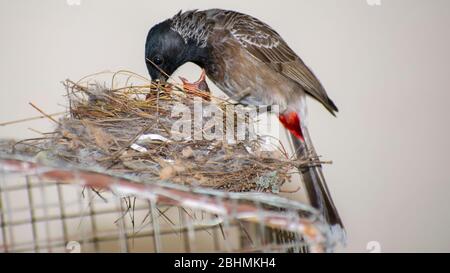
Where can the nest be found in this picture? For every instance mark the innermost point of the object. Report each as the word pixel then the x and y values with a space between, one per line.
pixel 127 131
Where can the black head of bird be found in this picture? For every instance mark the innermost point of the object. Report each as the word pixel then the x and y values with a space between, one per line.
pixel 166 50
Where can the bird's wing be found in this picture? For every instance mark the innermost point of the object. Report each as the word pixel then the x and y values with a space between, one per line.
pixel 265 44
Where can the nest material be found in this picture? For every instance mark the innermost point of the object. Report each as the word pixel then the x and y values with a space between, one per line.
pixel 103 129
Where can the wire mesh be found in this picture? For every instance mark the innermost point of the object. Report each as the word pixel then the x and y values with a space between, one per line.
pixel 48 209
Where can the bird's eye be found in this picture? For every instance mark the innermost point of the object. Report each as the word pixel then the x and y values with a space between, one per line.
pixel 158 60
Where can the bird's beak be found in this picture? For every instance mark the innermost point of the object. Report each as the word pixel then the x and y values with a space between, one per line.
pixel 159 77
pixel 155 72
pixel 162 80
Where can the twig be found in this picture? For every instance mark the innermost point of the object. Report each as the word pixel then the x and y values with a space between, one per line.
pixel 32 118
pixel 43 113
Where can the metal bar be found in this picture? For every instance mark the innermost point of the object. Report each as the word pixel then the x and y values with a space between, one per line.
pixel 62 212
pixel 26 187
pixel 92 217
pixel 123 236
pixel 6 204
pixel 2 221
pixel 182 219
pixel 215 235
pixel 68 216
pixel 46 214
pixel 32 216
pixel 113 233
pixel 156 231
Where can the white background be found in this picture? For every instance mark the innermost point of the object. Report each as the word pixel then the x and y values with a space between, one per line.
pixel 386 68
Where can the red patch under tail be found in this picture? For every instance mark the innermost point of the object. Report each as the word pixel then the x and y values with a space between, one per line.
pixel 291 121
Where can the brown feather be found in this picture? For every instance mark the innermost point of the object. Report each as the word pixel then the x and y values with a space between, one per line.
pixel 267 46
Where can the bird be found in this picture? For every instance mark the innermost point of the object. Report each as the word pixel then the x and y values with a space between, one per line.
pixel 198 88
pixel 240 52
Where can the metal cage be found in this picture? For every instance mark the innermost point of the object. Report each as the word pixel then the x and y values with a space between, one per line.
pixel 48 209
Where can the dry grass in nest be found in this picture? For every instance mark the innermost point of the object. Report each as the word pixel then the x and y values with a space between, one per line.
pixel 102 125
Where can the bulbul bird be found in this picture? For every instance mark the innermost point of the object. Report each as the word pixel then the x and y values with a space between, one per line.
pixel 239 52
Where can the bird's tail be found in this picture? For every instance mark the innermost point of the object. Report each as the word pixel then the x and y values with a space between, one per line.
pixel 313 178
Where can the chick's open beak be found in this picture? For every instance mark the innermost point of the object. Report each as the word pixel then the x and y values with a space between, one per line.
pixel 199 88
